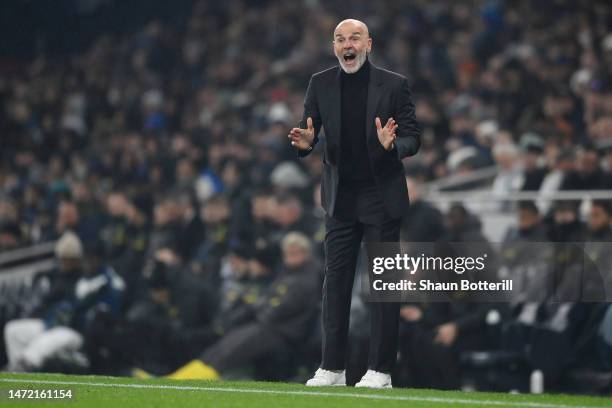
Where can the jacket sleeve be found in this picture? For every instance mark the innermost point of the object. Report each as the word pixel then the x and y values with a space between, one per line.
pixel 311 109
pixel 287 298
pixel 408 139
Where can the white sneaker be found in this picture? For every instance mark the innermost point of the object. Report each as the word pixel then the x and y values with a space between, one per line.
pixel 374 379
pixel 324 378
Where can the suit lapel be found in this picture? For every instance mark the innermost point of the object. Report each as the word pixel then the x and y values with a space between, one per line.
pixel 336 109
pixel 374 94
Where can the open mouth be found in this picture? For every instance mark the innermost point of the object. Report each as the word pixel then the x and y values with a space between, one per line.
pixel 349 56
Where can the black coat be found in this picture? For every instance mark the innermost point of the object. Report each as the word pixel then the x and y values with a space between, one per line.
pixel 388 96
pixel 290 304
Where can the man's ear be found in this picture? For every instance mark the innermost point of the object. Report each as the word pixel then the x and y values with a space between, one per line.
pixel 369 45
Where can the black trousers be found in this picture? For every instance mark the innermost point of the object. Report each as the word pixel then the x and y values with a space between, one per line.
pixel 242 345
pixel 359 215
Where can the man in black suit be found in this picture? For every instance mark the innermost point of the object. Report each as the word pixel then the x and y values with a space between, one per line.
pixel 364 190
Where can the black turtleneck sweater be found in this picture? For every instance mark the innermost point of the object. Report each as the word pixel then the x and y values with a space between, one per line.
pixel 354 161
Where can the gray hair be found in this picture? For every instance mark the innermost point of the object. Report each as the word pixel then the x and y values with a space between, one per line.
pixel 298 239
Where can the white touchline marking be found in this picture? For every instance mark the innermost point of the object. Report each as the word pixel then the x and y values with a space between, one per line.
pixel 307 393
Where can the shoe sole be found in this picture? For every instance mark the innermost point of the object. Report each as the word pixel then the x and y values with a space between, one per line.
pixel 327 385
pixel 374 388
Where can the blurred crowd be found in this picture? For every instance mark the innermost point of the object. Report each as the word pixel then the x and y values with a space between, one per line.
pixel 160 157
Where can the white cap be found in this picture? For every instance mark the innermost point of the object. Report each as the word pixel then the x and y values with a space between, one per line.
pixel 288 175
pixel 487 128
pixel 69 246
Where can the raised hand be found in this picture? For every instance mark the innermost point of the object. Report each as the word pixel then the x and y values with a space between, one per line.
pixel 386 135
pixel 302 138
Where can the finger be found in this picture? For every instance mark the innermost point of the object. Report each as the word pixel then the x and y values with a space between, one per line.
pixel 298 134
pixel 309 123
pixel 390 122
pixel 378 125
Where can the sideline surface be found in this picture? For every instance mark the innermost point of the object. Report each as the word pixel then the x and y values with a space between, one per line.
pixel 92 391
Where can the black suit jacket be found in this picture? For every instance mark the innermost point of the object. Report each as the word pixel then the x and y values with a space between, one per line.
pixel 388 96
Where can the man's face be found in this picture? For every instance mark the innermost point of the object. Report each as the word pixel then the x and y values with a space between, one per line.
pixel 530 160
pixel 260 206
pixel 294 256
pixel 564 216
pixel 527 219
pixel 67 216
pixel 589 162
pixel 214 213
pixel 67 265
pixel 287 214
pixel 598 219
pixel 116 204
pixel 352 43
pixel 455 219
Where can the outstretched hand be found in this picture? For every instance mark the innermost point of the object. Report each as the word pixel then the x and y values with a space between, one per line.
pixel 302 138
pixel 386 135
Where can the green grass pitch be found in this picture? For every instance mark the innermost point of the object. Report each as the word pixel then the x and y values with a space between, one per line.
pixel 115 392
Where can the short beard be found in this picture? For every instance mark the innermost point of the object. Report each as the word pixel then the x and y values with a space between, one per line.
pixel 361 59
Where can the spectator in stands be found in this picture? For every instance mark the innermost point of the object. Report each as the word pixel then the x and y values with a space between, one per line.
pixel 604 340
pixel 509 177
pixel 238 287
pixel 462 226
pixel 600 221
pixel 67 217
pixel 598 252
pixel 590 175
pixel 421 222
pixel 81 287
pixel 256 226
pixel 432 337
pixel 529 224
pixel 175 223
pixel 526 257
pixel 562 174
pixel 289 215
pixel 534 170
pixel 215 214
pixel 10 232
pixel 566 224
pixel 125 237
